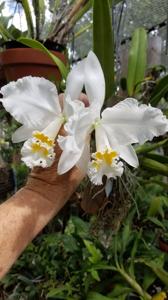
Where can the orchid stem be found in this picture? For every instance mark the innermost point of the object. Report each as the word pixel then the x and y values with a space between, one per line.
pixel 134 284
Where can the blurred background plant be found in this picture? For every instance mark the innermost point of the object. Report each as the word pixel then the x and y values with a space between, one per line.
pixel 116 246
pixel 41 20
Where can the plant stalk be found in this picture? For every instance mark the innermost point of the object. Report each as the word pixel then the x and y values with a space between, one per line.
pixel 134 284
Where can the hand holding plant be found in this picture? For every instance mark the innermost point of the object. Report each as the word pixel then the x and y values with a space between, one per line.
pixel 34 103
pixel 47 182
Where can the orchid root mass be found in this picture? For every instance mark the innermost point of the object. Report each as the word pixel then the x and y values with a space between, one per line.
pixel 34 102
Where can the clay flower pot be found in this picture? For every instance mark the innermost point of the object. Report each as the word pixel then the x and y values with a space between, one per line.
pixel 2 77
pixel 20 62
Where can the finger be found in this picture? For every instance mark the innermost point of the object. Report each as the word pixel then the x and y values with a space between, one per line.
pixel 82 97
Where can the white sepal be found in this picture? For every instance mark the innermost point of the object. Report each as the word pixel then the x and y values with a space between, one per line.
pixel 32 101
pixel 75 81
pixel 128 122
pixel 128 154
pixel 94 80
pixel 21 134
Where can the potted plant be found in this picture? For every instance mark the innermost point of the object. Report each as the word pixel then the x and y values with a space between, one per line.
pixel 18 60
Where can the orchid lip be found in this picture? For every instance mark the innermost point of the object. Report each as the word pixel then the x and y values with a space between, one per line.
pixel 38 150
pixel 106 163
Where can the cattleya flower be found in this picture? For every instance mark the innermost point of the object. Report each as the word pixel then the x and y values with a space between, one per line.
pixel 34 102
pixel 116 128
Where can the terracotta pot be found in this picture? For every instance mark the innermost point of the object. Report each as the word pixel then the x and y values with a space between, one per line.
pixel 2 77
pixel 20 62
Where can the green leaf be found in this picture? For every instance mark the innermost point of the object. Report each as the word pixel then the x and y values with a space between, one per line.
pixel 149 147
pixel 5 33
pixel 155 205
pixel 137 59
pixel 37 45
pixel 15 32
pixel 133 252
pixel 95 253
pixel 96 296
pixel 154 166
pixel 157 269
pixel 95 274
pixel 148 279
pixel 56 291
pixel 29 19
pixel 119 292
pixel 157 157
pixel 81 227
pixel 159 91
pixel 70 243
pixel 156 222
pixel 103 43
pixel 125 236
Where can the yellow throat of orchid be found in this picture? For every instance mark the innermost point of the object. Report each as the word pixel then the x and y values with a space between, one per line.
pixel 41 144
pixel 106 157
pixel 38 148
pixel 43 138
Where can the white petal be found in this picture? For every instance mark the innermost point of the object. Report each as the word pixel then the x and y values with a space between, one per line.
pixel 67 143
pixel 102 141
pixel 70 155
pixel 82 164
pixel 128 122
pixel 68 160
pixel 32 101
pixel 128 154
pixel 72 107
pixel 75 81
pixel 53 128
pixel 73 145
pixel 21 134
pixel 94 80
pixel 80 126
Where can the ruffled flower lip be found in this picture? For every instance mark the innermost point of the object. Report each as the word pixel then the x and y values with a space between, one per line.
pixel 38 151
pixel 104 163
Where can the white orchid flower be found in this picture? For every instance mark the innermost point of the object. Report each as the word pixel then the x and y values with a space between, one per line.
pixel 116 129
pixel 75 145
pixel 120 126
pixel 34 103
